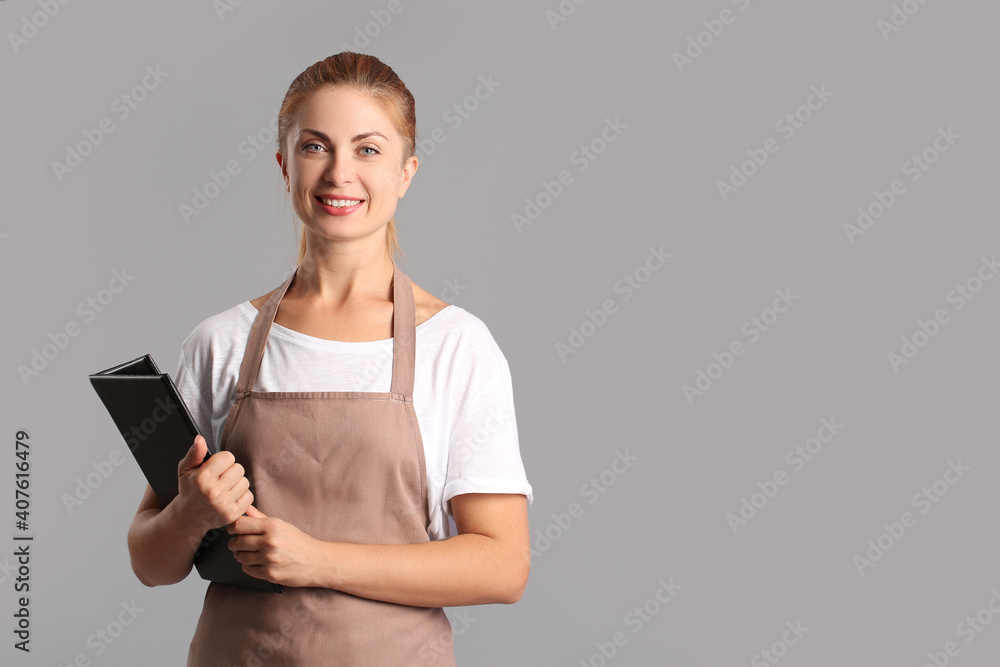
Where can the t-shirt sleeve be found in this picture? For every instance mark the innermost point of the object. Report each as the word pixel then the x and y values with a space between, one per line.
pixel 190 381
pixel 484 454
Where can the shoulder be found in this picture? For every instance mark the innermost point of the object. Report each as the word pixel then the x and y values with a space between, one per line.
pixel 426 305
pixel 222 322
pixel 463 340
pixel 217 333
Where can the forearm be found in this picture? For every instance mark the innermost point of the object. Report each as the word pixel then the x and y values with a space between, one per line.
pixel 161 546
pixel 462 570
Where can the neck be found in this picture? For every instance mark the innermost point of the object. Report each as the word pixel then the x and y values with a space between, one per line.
pixel 336 281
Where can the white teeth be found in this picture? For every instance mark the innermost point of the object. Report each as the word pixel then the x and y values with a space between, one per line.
pixel 341 203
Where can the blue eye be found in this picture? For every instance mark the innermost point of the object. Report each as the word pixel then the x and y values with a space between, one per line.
pixel 306 146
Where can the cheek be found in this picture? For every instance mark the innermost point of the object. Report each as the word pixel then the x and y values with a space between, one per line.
pixel 387 187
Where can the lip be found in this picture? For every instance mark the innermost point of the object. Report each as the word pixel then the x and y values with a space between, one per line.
pixel 343 210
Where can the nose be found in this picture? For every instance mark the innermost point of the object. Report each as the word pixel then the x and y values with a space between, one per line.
pixel 339 169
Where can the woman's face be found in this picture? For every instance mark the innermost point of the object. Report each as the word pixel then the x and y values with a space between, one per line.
pixel 345 147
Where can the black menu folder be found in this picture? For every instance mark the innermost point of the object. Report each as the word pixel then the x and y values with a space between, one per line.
pixel 152 418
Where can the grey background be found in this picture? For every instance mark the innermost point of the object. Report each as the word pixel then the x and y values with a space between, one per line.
pixel 655 185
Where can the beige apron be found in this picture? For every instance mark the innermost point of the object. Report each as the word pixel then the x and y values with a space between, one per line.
pixel 342 466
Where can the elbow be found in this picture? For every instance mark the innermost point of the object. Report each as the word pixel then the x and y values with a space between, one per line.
pixel 137 569
pixel 141 575
pixel 146 570
pixel 513 592
pixel 150 582
pixel 143 580
pixel 517 580
pixel 151 574
pixel 512 595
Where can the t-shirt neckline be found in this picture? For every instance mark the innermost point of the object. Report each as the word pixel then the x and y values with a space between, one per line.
pixel 358 345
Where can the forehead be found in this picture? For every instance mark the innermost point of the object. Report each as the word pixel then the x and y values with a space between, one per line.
pixel 345 111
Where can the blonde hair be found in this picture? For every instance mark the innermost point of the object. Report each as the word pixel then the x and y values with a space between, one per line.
pixel 369 75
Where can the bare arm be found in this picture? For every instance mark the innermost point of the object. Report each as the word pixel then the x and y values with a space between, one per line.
pixel 161 550
pixel 487 562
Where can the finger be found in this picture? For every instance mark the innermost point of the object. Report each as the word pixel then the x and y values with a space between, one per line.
pixel 246 525
pixel 255 571
pixel 256 513
pixel 223 481
pixel 230 471
pixel 249 557
pixel 242 544
pixel 194 456
pixel 243 502
pixel 218 463
pixel 252 558
pixel 239 484
pixel 233 504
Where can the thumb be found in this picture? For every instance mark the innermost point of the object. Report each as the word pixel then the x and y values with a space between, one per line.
pixel 255 513
pixel 194 457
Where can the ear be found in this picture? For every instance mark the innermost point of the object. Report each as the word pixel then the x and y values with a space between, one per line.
pixel 284 169
pixel 409 169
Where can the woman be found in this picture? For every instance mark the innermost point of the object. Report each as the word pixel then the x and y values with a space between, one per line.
pixel 353 490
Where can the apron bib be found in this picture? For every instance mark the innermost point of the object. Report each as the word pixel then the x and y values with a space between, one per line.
pixel 342 466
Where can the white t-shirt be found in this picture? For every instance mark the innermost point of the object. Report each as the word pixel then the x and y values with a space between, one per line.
pixel 462 393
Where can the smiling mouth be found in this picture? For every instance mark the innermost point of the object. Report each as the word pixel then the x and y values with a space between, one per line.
pixel 338 203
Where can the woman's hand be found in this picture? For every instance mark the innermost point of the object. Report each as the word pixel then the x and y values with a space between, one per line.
pixel 272 549
pixel 162 539
pixel 210 494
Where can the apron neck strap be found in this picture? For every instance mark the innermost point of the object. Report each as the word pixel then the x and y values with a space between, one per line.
pixel 404 335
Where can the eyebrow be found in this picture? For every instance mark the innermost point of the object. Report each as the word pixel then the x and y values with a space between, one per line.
pixel 363 135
